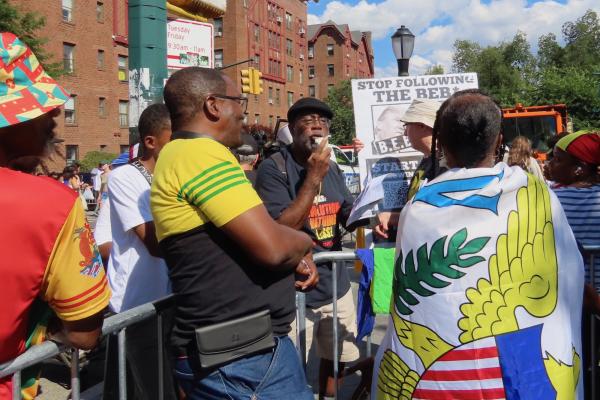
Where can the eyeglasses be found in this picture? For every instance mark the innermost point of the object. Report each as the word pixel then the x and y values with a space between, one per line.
pixel 243 101
pixel 313 120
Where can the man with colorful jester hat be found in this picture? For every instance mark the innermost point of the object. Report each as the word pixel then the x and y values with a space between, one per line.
pixel 50 265
pixel 487 290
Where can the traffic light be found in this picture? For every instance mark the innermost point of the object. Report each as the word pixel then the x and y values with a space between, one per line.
pixel 257 81
pixel 247 80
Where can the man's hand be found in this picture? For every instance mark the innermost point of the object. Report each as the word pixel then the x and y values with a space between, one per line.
pixel 387 220
pixel 307 275
pixel 318 162
pixel 358 145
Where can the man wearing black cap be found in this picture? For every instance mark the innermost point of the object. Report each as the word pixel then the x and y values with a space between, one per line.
pixel 303 189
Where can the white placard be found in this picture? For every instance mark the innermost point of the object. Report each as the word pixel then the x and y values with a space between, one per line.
pixel 379 105
pixel 189 43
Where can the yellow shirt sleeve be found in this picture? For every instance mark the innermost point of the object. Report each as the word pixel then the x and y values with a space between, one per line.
pixel 218 186
pixel 75 285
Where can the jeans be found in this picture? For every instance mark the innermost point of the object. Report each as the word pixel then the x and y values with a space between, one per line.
pixel 266 376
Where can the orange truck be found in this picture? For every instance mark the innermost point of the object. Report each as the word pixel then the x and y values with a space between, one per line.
pixel 538 123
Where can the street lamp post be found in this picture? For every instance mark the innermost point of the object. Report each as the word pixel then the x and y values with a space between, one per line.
pixel 403 42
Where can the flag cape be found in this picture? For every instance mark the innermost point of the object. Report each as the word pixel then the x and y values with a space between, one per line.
pixel 487 293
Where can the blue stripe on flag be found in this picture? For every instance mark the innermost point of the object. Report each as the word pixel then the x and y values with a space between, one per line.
pixel 523 371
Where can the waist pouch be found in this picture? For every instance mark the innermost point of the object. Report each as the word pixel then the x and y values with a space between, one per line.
pixel 224 342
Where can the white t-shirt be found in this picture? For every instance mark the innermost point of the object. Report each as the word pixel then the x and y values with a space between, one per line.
pixel 102 232
pixel 96 182
pixel 134 275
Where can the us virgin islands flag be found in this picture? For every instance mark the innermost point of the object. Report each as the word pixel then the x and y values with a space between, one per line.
pixel 487 293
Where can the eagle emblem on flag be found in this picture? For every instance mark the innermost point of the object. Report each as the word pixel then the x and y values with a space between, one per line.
pixel 489 306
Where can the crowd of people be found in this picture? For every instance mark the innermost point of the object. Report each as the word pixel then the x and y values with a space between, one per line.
pixel 192 216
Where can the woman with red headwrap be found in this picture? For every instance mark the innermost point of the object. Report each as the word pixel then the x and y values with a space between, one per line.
pixel 575 169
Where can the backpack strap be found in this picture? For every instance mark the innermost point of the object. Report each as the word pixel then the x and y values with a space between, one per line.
pixel 145 173
pixel 280 162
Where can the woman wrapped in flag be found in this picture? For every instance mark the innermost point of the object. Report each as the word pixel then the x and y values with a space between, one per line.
pixel 488 281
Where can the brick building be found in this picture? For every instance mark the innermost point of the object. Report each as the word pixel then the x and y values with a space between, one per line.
pixel 335 53
pixel 273 34
pixel 90 38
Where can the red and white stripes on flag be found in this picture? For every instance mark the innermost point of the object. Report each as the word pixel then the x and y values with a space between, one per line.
pixel 469 372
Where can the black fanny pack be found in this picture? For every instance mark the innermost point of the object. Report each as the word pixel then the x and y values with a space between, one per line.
pixel 222 343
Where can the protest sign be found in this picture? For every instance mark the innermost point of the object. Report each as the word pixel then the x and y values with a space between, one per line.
pixel 379 105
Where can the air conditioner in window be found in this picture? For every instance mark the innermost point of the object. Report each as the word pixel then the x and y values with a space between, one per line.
pixel 279 20
pixel 301 31
pixel 302 56
pixel 311 75
pixel 219 34
pixel 270 101
pixel 310 55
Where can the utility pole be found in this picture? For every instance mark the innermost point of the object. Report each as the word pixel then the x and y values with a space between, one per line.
pixel 147 57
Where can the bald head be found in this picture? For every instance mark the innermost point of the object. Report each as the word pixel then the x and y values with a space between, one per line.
pixel 186 91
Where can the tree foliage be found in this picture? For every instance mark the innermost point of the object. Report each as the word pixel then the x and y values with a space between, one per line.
pixel 339 99
pixel 436 69
pixel 26 25
pixel 556 74
pixel 93 158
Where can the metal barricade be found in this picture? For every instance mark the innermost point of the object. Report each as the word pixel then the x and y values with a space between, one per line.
pixel 117 323
pixel 592 253
pixel 334 257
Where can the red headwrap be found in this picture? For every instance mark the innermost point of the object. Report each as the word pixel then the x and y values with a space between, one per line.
pixel 583 146
pixel 586 148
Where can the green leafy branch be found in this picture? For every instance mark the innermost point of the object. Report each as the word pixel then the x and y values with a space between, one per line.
pixel 409 277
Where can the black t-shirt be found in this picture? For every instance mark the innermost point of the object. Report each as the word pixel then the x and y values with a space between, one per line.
pixel 323 225
pixel 216 282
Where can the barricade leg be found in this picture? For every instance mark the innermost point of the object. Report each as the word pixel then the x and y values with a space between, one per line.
pixel 301 327
pixel 335 331
pixel 75 383
pixel 16 382
pixel 593 357
pixel 122 366
pixel 161 355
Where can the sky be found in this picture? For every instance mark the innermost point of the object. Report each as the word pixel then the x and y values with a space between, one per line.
pixel 436 24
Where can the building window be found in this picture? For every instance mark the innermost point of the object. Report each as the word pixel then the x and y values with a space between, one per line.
pixel 311 71
pixel 289 47
pixel 218 26
pixel 277 97
pixel 288 21
pixel 256 33
pixel 103 147
pixel 311 91
pixel 271 121
pixel 301 77
pixel 99 11
pixel 123 114
pixel 311 51
pixel 330 70
pixel 218 58
pixel 257 118
pixel 100 59
pixel 290 73
pixel 67 10
pixel 270 95
pixel 102 107
pixel 123 70
pixel 68 58
pixel 330 87
pixel 330 49
pixel 70 117
pixel 290 98
pixel 256 61
pixel 72 151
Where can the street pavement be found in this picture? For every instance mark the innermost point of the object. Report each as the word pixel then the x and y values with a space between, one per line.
pixel 55 382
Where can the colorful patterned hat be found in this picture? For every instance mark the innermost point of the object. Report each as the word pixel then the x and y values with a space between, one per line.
pixel 26 91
